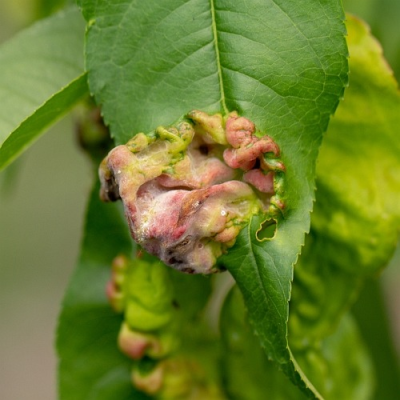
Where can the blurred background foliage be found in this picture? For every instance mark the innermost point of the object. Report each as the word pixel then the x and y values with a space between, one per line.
pixel 42 201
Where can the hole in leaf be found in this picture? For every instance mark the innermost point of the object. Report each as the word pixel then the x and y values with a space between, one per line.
pixel 267 230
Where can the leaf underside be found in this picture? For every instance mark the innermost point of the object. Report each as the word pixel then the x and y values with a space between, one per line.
pixel 281 65
pixel 42 76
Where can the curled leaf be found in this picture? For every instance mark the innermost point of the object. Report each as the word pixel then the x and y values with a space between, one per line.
pixel 189 189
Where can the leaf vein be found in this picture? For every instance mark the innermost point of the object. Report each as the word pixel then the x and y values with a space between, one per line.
pixel 217 55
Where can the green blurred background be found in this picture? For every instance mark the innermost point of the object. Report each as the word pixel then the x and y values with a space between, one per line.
pixel 42 202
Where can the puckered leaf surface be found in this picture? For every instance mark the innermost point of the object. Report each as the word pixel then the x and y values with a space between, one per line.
pixel 356 219
pixel 339 364
pixel 91 366
pixel 281 64
pixel 359 168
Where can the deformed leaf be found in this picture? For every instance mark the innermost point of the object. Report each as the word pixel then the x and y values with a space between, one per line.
pixel 247 373
pixel 338 365
pixel 359 169
pixel 281 65
pixel 266 292
pixel 41 77
pixel 91 366
pixel 354 227
pixel 321 293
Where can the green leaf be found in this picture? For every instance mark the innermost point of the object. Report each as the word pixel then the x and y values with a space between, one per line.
pixel 41 78
pixel 321 293
pixel 339 364
pixel 91 366
pixel 355 224
pixel 48 113
pixel 163 58
pixel 281 65
pixel 263 275
pixel 359 168
pixel 247 373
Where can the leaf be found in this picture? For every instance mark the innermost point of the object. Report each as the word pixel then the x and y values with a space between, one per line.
pixel 247 373
pixel 340 367
pixel 91 366
pixel 266 290
pixel 382 17
pixel 41 78
pixel 355 224
pixel 48 113
pixel 339 364
pixel 281 65
pixel 321 293
pixel 359 167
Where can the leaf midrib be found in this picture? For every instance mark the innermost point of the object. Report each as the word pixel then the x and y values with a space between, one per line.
pixel 218 60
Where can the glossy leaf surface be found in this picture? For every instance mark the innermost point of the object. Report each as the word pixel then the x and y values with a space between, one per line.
pixel 41 78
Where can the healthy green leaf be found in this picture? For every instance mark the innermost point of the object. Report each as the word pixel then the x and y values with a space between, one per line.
pixel 41 78
pixel 91 366
pixel 356 219
pixel 281 65
pixel 48 113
